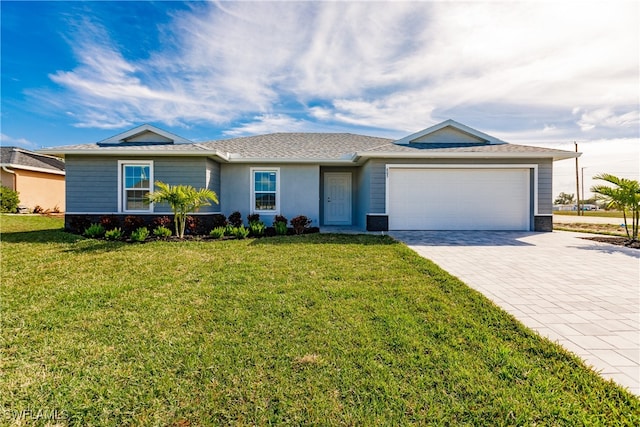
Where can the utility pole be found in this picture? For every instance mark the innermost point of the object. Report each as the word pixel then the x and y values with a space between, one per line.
pixel 577 181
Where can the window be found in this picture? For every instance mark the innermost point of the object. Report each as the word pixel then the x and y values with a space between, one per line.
pixel 135 180
pixel 265 184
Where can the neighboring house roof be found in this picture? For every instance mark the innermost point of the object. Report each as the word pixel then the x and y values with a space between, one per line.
pixel 447 139
pixel 19 158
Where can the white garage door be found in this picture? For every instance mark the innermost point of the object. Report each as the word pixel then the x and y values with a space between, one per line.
pixel 458 199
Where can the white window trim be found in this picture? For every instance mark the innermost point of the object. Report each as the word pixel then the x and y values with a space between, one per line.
pixel 252 208
pixel 121 193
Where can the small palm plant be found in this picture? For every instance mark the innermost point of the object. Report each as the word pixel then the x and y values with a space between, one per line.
pixel 625 196
pixel 183 199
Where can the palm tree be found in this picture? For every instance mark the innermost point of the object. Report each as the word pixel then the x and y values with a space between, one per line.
pixel 182 199
pixel 625 196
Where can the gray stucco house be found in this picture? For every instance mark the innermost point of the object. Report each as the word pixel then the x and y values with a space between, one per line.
pixel 446 177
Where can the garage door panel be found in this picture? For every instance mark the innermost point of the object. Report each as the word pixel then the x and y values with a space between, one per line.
pixel 459 199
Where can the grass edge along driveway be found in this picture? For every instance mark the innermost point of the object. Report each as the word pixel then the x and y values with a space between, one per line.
pixel 316 329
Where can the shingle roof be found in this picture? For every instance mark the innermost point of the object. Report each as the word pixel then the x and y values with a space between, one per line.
pixel 305 147
pixel 311 146
pixel 18 157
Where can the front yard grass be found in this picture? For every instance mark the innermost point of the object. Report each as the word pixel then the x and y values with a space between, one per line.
pixel 298 330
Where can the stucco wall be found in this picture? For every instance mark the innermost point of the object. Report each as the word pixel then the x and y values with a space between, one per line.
pixel 40 189
pixel 299 190
pixel 7 179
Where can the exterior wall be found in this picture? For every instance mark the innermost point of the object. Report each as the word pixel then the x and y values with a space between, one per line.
pixel 212 180
pixel 40 189
pixel 7 179
pixel 299 190
pixel 377 181
pixel 92 181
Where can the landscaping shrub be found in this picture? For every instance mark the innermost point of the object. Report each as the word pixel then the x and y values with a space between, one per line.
pixel 113 234
pixel 9 199
pixel 192 226
pixel 253 218
pixel 217 232
pixel 219 220
pixel 78 224
pixel 235 219
pixel 94 231
pixel 300 224
pixel 280 218
pixel 280 225
pixel 161 232
pixel 38 209
pixel 229 230
pixel 132 222
pixel 280 228
pixel 161 221
pixel 241 232
pixel 140 234
pixel 257 228
pixel 109 222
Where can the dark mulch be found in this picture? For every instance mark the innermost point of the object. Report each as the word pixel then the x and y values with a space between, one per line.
pixel 618 241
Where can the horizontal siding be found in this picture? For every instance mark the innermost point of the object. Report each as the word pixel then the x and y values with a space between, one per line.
pixel 92 181
pixel 91 184
pixel 545 186
pixel 213 182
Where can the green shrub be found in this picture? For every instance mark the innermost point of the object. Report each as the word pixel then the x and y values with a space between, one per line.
pixel 140 234
pixel 280 227
pixel 257 228
pixel 241 232
pixel 113 234
pixel 229 230
pixel 161 231
pixel 9 199
pixel 217 232
pixel 94 231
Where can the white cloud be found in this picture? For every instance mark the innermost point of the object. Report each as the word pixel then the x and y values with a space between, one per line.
pixel 399 66
pixel 7 140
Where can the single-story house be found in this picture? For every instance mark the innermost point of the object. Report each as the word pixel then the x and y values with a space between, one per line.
pixel 39 178
pixel 446 177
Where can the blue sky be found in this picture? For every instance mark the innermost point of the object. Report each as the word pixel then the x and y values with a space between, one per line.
pixel 538 73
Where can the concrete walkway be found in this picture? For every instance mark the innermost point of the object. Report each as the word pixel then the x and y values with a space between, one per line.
pixel 582 294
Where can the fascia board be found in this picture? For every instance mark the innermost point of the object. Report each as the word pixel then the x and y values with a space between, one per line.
pixel 463 128
pixel 31 168
pixel 146 153
pixel 143 128
pixel 444 154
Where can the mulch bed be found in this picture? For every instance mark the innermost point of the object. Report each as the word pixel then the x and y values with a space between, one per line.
pixel 618 241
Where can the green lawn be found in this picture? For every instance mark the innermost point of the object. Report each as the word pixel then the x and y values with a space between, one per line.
pixel 299 330
pixel 600 213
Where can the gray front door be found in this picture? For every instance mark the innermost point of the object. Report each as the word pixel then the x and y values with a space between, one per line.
pixel 337 198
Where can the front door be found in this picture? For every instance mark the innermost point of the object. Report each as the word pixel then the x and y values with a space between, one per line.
pixel 337 198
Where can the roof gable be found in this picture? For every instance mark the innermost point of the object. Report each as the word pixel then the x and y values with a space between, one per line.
pixel 145 134
pixel 449 132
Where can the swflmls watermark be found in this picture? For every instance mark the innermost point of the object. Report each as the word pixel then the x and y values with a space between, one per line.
pixel 34 414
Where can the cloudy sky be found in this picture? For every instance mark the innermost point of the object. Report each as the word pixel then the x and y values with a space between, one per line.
pixel 537 73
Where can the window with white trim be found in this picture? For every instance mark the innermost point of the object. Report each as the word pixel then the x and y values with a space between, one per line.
pixel 265 190
pixel 135 181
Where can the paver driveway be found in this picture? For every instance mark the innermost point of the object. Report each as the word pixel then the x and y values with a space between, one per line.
pixel 580 293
